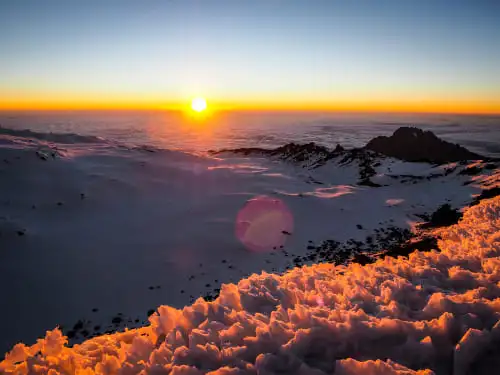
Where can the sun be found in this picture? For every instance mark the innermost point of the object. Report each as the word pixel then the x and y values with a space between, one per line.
pixel 198 104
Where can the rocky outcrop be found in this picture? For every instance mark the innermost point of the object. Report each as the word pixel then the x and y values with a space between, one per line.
pixel 406 143
pixel 339 149
pixel 413 144
pixel 290 151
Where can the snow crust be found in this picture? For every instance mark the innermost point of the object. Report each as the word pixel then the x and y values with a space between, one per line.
pixel 436 312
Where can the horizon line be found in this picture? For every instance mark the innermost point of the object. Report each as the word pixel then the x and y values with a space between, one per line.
pixel 290 108
pixel 431 106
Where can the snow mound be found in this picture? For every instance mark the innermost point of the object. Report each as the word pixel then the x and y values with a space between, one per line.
pixel 436 312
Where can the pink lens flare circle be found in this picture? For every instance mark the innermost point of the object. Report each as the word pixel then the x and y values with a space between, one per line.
pixel 264 224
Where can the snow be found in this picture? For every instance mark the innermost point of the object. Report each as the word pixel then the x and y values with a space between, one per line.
pixel 431 313
pixel 89 225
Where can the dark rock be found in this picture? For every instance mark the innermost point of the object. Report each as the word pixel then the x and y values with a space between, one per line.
pixel 443 217
pixel 78 325
pixel 291 151
pixel 151 312
pixel 299 152
pixel 486 194
pixel 116 320
pixel 362 259
pixel 209 297
pixel 42 155
pixel 95 309
pixel 338 149
pixel 413 144
pixel 359 226
pixel 97 328
pixel 471 171
pixel 421 244
pixel 285 232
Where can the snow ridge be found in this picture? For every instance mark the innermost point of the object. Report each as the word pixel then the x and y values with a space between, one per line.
pixel 66 138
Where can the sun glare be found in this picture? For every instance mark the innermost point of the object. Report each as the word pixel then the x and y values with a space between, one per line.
pixel 198 104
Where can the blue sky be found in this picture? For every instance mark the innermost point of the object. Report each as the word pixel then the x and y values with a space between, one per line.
pixel 244 51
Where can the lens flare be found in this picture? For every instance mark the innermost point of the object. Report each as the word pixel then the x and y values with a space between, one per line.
pixel 264 224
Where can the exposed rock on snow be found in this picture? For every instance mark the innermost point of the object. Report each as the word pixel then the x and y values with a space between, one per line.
pixel 414 144
pixel 406 143
pixel 291 151
pixel 430 313
pixel 486 194
pixel 443 217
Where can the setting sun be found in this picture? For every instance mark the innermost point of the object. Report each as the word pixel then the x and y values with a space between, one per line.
pixel 198 104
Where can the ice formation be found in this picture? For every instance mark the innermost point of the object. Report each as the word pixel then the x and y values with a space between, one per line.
pixel 436 312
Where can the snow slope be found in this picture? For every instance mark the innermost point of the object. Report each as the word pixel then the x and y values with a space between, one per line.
pixel 97 235
pixel 433 312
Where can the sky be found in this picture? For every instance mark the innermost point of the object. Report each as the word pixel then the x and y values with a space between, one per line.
pixel 426 55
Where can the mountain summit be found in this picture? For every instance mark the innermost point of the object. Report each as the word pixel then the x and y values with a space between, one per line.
pixel 414 144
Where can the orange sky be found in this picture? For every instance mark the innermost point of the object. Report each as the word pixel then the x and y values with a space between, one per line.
pixel 420 106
